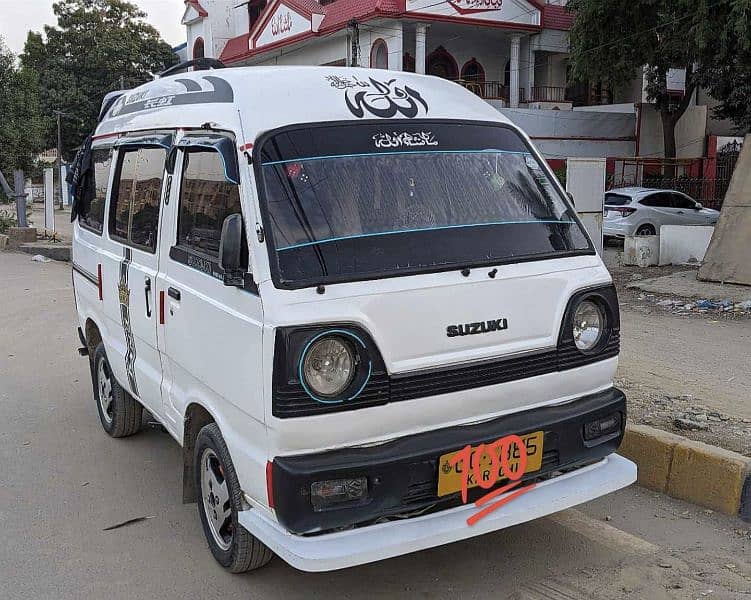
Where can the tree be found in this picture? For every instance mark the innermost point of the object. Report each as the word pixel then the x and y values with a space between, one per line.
pixel 612 41
pixel 20 121
pixel 724 32
pixel 97 46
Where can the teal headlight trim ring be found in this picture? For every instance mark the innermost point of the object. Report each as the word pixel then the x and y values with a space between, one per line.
pixel 318 336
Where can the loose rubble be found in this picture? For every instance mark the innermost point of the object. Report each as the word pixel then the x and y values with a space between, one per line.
pixel 685 306
pixel 687 416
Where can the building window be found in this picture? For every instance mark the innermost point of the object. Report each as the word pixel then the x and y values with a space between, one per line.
pixel 255 9
pixel 198 49
pixel 473 71
pixel 136 194
pixel 206 199
pixel 441 64
pixel 94 219
pixel 379 55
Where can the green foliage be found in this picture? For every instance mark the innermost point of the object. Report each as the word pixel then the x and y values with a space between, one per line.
pixel 612 40
pixel 95 45
pixel 724 32
pixel 20 121
pixel 7 220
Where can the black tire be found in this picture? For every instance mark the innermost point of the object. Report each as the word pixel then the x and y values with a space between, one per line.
pixel 243 551
pixel 123 414
pixel 646 229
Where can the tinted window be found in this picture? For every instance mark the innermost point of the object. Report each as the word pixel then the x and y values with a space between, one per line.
pixel 102 160
pixel 134 208
pixel 206 199
pixel 681 201
pixel 658 200
pixel 617 200
pixel 351 202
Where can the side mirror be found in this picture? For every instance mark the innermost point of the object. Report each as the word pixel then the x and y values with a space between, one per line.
pixel 698 206
pixel 230 250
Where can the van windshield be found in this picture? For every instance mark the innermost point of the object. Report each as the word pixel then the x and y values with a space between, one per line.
pixel 366 200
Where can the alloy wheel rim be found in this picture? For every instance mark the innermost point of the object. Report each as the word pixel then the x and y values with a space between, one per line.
pixel 215 497
pixel 104 384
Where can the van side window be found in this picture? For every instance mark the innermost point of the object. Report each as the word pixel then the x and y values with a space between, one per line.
pixel 206 199
pixel 134 206
pixel 94 219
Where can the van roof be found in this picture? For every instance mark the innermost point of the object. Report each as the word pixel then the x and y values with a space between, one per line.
pixel 251 100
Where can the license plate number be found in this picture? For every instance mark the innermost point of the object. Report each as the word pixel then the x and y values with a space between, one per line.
pixel 451 476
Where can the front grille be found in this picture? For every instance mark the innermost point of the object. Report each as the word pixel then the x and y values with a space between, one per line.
pixel 295 402
pixel 447 380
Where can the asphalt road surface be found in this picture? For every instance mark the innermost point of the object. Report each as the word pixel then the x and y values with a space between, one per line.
pixel 62 481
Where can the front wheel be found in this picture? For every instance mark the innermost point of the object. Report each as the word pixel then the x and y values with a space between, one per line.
pixel 221 499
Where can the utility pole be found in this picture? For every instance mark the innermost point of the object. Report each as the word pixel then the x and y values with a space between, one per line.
pixel 59 190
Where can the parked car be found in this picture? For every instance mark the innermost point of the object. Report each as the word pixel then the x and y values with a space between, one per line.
pixel 358 310
pixel 641 211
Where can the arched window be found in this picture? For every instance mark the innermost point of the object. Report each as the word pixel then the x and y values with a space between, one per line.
pixel 198 49
pixel 473 71
pixel 441 64
pixel 379 55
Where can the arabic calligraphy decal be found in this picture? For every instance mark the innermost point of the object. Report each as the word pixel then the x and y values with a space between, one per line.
pixel 464 7
pixel 281 23
pixel 404 139
pixel 382 99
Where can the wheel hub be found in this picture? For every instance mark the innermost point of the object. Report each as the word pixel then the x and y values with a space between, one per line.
pixel 216 502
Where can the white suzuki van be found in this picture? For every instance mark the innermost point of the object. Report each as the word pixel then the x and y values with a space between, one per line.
pixel 359 300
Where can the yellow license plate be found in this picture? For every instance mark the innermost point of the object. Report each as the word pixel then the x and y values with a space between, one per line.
pixel 451 477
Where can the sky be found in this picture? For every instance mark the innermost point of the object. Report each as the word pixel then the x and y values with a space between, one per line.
pixel 17 17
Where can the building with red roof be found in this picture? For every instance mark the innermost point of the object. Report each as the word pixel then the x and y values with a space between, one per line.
pixel 511 52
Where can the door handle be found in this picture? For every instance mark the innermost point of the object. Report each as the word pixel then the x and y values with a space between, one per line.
pixel 680 212
pixel 174 293
pixel 146 291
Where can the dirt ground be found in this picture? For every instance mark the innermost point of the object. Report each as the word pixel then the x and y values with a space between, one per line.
pixel 683 371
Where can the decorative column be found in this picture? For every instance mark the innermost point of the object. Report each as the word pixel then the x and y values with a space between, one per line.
pixel 420 35
pixel 396 47
pixel 513 94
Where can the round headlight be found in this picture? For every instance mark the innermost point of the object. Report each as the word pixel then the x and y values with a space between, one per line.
pixel 329 366
pixel 589 324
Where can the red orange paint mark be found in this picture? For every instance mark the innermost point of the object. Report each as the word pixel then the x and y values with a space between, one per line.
pixel 499 453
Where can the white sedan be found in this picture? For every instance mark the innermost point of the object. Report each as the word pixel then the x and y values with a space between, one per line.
pixel 641 211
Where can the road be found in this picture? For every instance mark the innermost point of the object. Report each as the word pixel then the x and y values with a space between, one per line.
pixel 62 481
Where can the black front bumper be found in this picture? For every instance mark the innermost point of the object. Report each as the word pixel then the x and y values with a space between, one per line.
pixel 403 474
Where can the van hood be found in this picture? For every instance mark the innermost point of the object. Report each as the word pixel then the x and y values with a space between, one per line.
pixel 440 319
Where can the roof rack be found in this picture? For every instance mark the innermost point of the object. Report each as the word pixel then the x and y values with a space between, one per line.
pixel 202 63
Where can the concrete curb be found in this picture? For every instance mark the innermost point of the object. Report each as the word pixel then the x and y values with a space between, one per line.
pixel 693 471
pixel 60 251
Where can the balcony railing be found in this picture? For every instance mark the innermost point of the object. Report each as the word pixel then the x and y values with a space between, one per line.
pixel 546 93
pixel 490 90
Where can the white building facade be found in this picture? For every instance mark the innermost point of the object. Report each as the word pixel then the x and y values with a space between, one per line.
pixel 510 52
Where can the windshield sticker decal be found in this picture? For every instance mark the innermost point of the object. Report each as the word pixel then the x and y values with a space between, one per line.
pixel 220 92
pixel 404 139
pixel 382 99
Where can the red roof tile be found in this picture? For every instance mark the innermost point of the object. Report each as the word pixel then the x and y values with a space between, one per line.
pixel 236 48
pixel 557 17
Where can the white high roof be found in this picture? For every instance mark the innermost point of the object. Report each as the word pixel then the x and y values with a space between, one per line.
pixel 257 99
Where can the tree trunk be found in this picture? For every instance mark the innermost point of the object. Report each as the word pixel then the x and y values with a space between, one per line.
pixel 669 121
